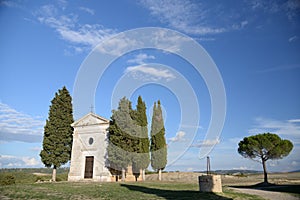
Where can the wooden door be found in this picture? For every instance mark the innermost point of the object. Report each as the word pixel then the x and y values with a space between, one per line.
pixel 89 164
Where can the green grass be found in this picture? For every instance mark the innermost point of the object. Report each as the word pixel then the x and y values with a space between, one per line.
pixel 134 190
pixel 22 177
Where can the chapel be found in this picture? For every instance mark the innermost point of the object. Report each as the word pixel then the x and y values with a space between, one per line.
pixel 89 151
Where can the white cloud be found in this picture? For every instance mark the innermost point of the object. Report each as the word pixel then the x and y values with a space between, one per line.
pixel 206 143
pixel 140 58
pixel 284 127
pixel 9 161
pixel 68 28
pixel 30 161
pixel 147 72
pixel 191 126
pixel 185 16
pixel 189 169
pixel 88 10
pixel 294 120
pixel 240 168
pixel 240 25
pixel 179 137
pixel 292 39
pixel 294 163
pixel 118 45
pixel 280 68
pixel 12 4
pixel 290 7
pixel 168 40
pixel 17 126
pixel 37 149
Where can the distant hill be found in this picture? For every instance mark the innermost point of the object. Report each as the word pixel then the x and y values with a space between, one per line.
pixel 233 171
pixel 296 170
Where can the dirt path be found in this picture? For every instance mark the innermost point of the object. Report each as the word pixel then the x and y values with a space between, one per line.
pixel 266 194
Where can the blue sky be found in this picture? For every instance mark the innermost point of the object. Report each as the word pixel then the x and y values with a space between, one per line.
pixel 255 45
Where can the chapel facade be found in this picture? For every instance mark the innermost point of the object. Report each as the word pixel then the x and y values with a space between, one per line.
pixel 89 151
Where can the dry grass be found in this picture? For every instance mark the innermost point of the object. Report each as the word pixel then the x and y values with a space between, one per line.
pixel 249 179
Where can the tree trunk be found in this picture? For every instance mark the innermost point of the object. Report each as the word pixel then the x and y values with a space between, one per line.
pixel 123 174
pixel 54 174
pixel 159 174
pixel 265 171
pixel 143 175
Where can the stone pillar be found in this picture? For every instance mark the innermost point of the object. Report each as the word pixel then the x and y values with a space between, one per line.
pixel 210 183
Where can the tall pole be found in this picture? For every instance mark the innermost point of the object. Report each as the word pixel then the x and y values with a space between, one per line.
pixel 208 165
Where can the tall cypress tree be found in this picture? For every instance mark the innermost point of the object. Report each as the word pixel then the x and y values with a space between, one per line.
pixel 141 159
pixel 121 137
pixel 158 146
pixel 57 142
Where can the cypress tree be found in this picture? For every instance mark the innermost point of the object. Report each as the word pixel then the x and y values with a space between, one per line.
pixel 158 146
pixel 57 141
pixel 141 159
pixel 121 137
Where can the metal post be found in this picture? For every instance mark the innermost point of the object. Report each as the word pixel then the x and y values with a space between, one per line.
pixel 208 166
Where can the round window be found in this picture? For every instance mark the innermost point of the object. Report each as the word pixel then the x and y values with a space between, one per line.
pixel 91 140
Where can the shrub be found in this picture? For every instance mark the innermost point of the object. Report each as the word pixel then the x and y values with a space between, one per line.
pixel 8 180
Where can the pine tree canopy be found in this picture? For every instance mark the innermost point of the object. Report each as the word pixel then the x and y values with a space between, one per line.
pixel 57 141
pixel 264 146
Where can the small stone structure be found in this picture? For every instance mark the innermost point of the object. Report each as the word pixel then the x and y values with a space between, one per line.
pixel 210 183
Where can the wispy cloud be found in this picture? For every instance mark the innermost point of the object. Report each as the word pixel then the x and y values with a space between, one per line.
pixel 12 4
pixel 185 16
pixel 9 161
pixel 294 120
pixel 141 58
pixel 17 126
pixel 70 30
pixel 280 68
pixel 240 25
pixel 206 143
pixel 290 7
pixel 146 72
pixel 294 38
pixel 87 10
pixel 282 127
pixel 191 126
pixel 36 149
pixel 179 137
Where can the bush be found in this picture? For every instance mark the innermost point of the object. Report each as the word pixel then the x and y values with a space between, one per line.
pixel 8 180
pixel 62 177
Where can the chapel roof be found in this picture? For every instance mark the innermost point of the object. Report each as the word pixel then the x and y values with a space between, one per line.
pixel 90 119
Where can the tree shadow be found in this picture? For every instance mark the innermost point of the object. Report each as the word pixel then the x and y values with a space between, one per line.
pixel 174 194
pixel 288 188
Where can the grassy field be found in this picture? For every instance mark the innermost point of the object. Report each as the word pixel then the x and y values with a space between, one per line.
pixel 30 185
pixel 141 190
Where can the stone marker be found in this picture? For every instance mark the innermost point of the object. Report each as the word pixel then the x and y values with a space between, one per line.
pixel 210 183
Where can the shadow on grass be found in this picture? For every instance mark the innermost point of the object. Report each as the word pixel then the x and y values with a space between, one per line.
pixel 289 188
pixel 174 194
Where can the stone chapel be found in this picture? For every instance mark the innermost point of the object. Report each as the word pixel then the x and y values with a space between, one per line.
pixel 89 154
